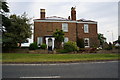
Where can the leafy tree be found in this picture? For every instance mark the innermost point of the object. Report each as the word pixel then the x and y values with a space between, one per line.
pixel 6 23
pixel 59 37
pixel 20 28
pixel 5 20
pixel 80 43
pixel 3 6
pixel 101 38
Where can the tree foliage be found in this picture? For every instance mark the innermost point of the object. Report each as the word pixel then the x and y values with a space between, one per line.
pixel 19 30
pixel 101 38
pixel 59 37
pixel 80 42
pixel 15 29
pixel 5 20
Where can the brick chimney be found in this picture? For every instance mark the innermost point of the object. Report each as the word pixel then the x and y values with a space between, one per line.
pixel 73 13
pixel 69 17
pixel 42 13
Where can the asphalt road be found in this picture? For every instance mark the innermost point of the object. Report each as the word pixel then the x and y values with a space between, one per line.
pixel 64 70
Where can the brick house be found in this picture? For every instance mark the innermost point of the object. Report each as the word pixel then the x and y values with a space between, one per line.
pixel 46 26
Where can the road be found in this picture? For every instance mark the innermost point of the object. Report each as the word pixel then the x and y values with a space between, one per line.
pixel 62 70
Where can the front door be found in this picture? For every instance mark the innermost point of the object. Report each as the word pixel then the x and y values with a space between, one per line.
pixel 50 44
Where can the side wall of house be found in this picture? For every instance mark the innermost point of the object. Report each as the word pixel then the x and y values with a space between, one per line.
pixel 92 35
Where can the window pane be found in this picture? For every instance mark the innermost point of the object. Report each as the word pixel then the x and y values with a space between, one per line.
pixel 86 29
pixel 65 27
pixel 66 39
pixel 86 42
pixel 39 40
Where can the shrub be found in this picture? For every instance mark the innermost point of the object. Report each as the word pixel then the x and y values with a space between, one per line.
pixel 109 46
pixel 70 46
pixel 33 46
pixel 43 46
pixel 80 43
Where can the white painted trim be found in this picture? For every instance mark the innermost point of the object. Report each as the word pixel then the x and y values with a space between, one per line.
pixel 63 21
pixel 53 21
pixel 50 64
pixel 46 42
pixel 53 39
pixel 86 27
pixel 88 22
pixel 88 42
pixel 43 77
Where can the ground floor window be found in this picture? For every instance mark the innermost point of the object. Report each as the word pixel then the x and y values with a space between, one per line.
pixel 39 40
pixel 86 42
pixel 66 39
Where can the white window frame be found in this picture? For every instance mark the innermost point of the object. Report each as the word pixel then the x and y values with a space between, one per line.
pixel 88 42
pixel 65 27
pixel 86 28
pixel 38 40
pixel 66 39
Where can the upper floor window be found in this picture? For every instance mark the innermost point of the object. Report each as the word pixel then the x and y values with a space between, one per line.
pixel 86 28
pixel 65 27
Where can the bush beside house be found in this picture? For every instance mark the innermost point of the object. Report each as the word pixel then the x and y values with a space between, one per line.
pixel 69 47
pixel 33 46
pixel 80 43
pixel 43 46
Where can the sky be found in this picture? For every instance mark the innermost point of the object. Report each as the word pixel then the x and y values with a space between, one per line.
pixel 105 12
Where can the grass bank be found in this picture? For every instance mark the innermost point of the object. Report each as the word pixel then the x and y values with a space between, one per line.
pixel 28 58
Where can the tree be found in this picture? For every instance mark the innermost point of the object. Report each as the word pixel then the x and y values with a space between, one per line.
pixel 5 20
pixel 6 23
pixel 80 42
pixel 59 37
pixel 21 27
pixel 101 38
pixel 19 30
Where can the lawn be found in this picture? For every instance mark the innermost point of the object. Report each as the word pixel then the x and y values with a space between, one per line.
pixel 24 57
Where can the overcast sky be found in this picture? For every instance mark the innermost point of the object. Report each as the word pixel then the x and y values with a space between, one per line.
pixel 104 12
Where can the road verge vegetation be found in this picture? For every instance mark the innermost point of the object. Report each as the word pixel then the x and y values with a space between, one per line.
pixel 42 58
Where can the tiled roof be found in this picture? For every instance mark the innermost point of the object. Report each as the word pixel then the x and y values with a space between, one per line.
pixel 55 18
pixel 84 20
pixel 61 19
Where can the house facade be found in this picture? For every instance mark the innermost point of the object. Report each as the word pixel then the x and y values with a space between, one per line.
pixel 46 26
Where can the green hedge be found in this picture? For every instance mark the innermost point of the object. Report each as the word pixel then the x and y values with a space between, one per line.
pixel 70 46
pixel 43 46
pixel 33 46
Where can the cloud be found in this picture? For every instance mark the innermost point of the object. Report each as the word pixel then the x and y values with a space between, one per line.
pixel 105 13
pixel 63 0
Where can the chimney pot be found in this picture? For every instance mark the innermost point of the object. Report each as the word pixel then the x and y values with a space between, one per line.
pixel 69 17
pixel 42 13
pixel 73 13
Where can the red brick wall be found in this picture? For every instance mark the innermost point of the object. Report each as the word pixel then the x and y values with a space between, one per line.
pixel 42 29
pixel 92 35
pixel 92 30
pixel 47 28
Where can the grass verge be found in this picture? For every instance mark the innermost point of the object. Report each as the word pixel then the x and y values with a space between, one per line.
pixel 29 58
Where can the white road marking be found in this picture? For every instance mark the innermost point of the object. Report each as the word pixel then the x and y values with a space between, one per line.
pixel 58 63
pixel 43 77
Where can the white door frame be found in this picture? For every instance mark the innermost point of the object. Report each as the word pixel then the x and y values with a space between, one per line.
pixel 53 39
